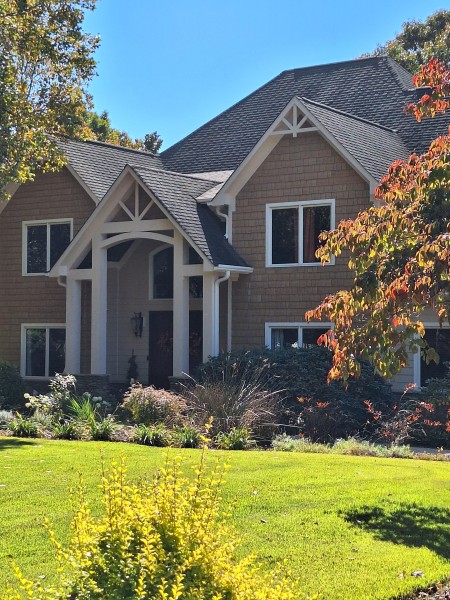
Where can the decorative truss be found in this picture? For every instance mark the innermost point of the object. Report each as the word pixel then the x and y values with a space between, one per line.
pixel 292 122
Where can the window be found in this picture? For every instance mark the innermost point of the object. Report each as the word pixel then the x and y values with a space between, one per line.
pixel 439 339
pixel 43 245
pixel 43 350
pixel 293 230
pixel 293 335
pixel 161 273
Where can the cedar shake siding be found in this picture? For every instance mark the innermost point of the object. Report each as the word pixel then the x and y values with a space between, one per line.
pixel 34 299
pixel 302 168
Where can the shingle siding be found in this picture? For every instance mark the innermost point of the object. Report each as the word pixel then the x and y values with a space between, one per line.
pixel 303 168
pixel 36 299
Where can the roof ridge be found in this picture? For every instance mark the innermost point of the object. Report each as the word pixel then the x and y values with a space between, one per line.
pixel 115 146
pixel 338 62
pixel 169 172
pixel 391 62
pixel 221 113
pixel 347 114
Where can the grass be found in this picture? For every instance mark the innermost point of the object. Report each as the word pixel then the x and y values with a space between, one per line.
pixel 351 527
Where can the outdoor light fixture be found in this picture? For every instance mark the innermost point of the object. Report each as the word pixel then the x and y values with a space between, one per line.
pixel 137 324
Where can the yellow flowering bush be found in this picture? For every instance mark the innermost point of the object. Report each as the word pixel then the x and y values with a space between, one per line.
pixel 163 539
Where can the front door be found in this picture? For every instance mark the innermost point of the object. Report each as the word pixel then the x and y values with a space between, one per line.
pixel 160 353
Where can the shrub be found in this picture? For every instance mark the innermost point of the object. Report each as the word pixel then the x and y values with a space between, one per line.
pixel 325 411
pixel 66 430
pixel 234 389
pixel 102 429
pixel 153 435
pixel 6 416
pixel 434 429
pixel 11 386
pixel 236 439
pixel 187 437
pixel 286 443
pixel 160 539
pixel 148 405
pixel 22 427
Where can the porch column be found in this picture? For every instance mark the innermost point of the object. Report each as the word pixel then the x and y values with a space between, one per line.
pixel 73 325
pixel 99 307
pixel 180 309
pixel 209 320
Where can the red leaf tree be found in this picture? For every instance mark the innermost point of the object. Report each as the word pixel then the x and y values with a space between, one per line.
pixel 399 252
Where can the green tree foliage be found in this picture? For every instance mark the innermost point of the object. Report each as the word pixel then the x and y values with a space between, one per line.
pixel 98 127
pixel 46 62
pixel 399 251
pixel 419 42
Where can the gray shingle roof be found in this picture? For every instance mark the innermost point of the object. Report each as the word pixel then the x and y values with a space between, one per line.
pixel 375 88
pixel 100 164
pixel 177 193
pixel 373 146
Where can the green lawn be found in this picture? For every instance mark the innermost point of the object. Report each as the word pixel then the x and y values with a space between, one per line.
pixel 351 528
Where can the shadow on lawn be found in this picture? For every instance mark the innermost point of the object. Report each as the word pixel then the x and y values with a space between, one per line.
pixel 7 443
pixel 407 524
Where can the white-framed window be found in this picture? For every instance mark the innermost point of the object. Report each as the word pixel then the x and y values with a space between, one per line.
pixel 43 349
pixel 292 231
pixel 43 242
pixel 161 271
pixel 279 336
pixel 439 339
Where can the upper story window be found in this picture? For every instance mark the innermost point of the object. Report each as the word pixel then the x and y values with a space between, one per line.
pixel 162 273
pixel 293 229
pixel 43 244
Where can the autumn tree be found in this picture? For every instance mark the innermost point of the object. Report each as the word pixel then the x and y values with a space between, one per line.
pixel 399 251
pixel 419 42
pixel 46 62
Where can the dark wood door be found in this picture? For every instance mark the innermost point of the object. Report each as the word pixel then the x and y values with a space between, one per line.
pixel 160 352
pixel 195 339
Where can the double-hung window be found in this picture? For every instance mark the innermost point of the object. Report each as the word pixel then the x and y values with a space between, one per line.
pixel 43 244
pixel 43 350
pixel 293 229
pixel 280 336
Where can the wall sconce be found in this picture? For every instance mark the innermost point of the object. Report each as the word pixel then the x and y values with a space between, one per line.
pixel 137 324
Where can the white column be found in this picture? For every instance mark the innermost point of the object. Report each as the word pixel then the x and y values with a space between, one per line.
pixel 180 309
pixel 99 307
pixel 73 325
pixel 229 314
pixel 209 321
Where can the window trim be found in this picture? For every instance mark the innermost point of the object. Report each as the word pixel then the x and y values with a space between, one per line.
pixel 48 222
pixel 23 347
pixel 300 204
pixel 300 325
pixel 416 355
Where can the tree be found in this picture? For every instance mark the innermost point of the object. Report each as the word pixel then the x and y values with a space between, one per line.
pixel 98 127
pixel 419 42
pixel 399 251
pixel 46 62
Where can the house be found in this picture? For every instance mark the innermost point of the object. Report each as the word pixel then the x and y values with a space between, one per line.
pixel 210 245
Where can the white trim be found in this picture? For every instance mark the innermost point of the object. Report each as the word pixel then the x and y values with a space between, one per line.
pixel 227 194
pixel 48 223
pixel 416 356
pixel 23 346
pixel 301 204
pixel 299 325
pixel 83 184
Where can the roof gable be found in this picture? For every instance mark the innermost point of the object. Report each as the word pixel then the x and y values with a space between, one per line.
pixel 375 88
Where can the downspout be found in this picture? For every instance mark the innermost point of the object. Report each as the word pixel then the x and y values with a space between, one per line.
pixel 61 282
pixel 216 309
pixel 227 223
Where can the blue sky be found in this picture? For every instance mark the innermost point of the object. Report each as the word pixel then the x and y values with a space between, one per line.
pixel 172 65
